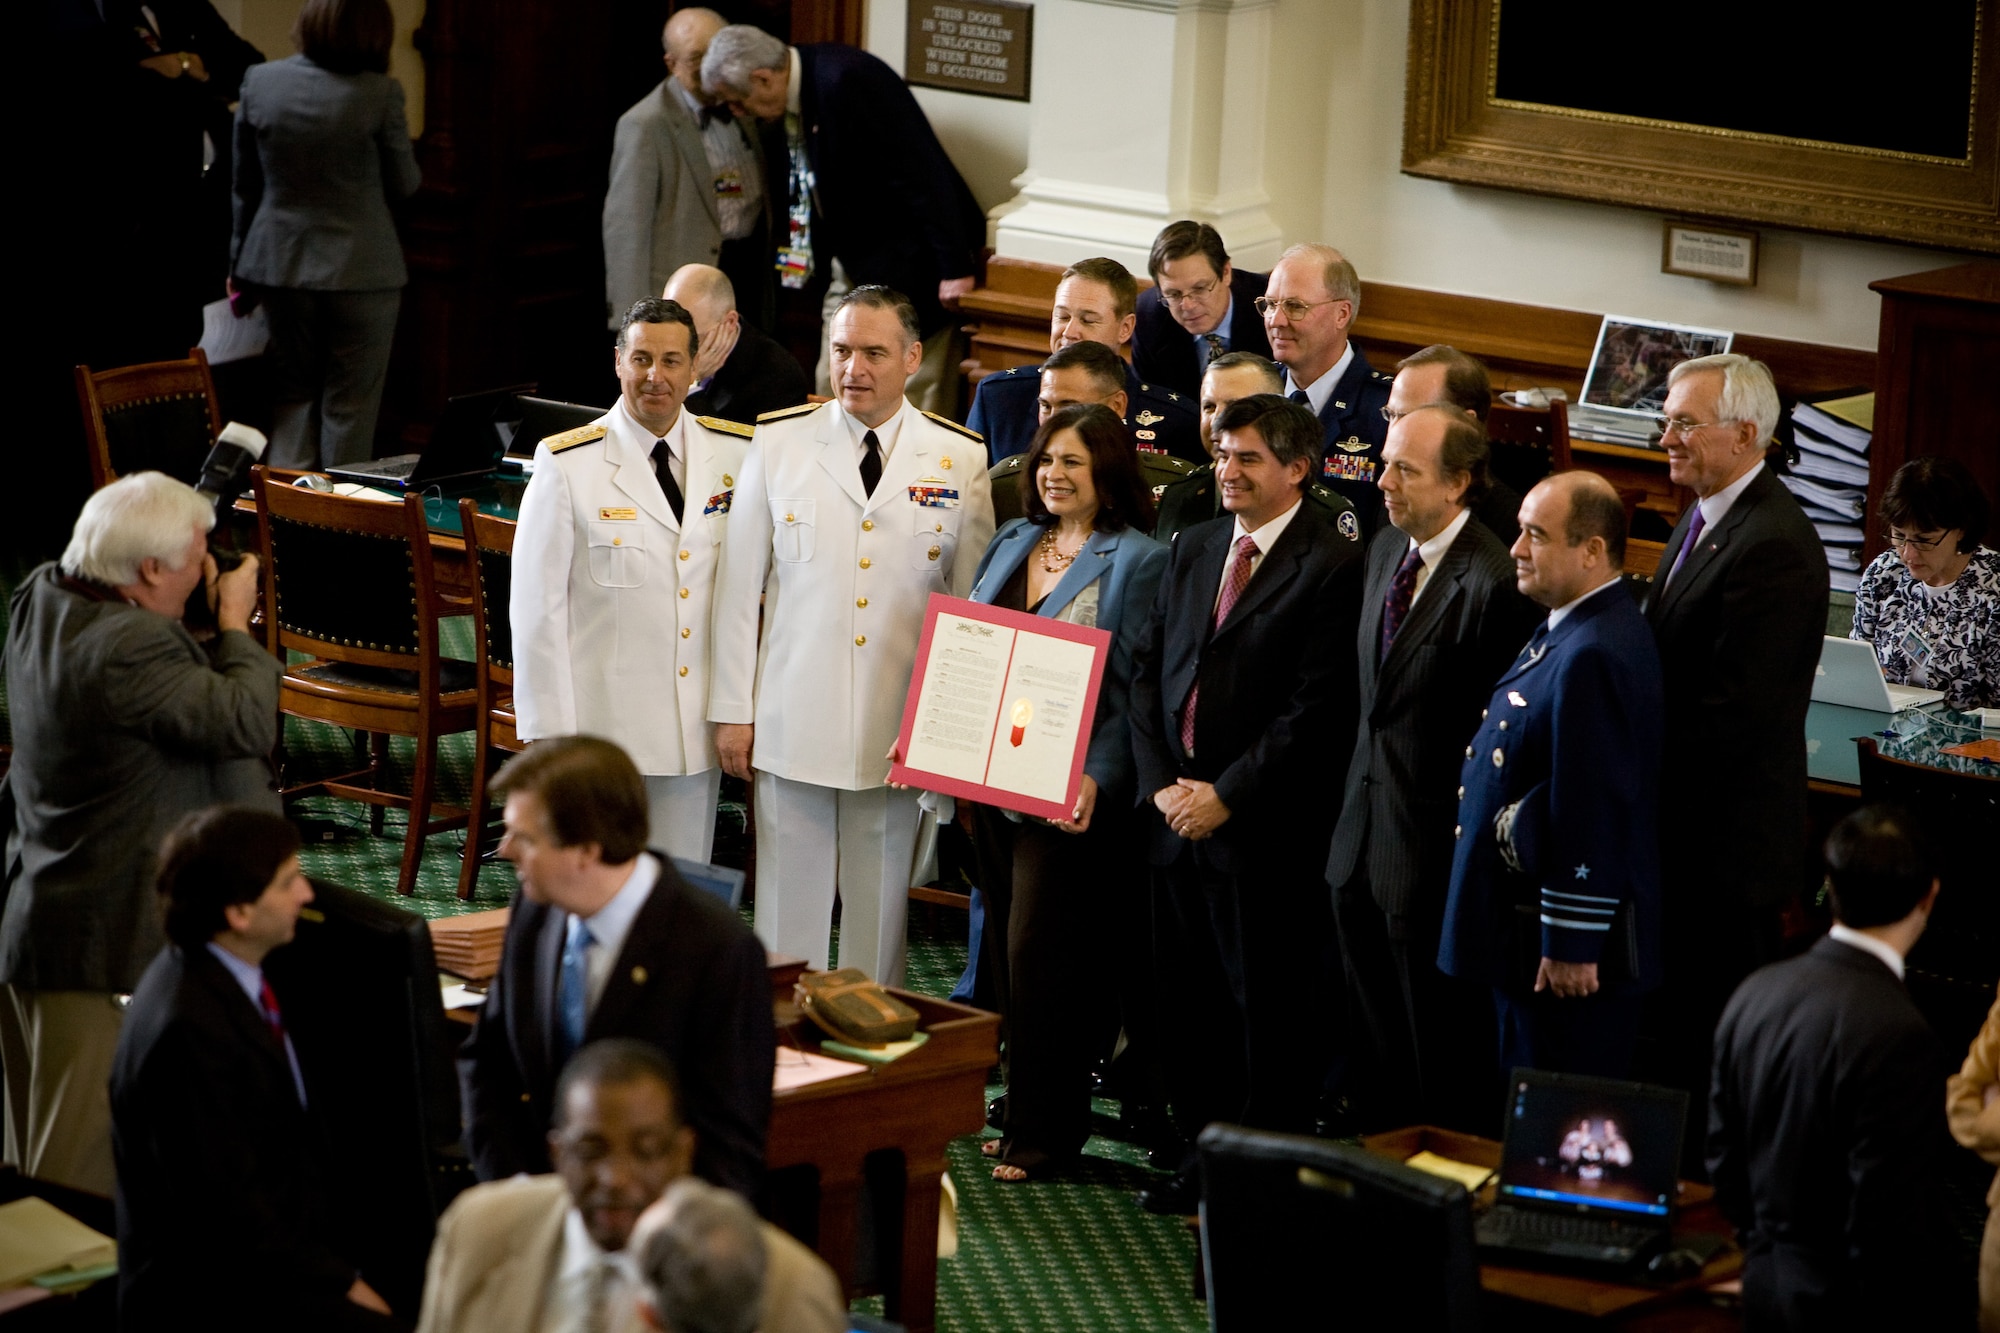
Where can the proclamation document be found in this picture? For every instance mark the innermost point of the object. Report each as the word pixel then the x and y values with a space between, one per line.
pixel 1000 707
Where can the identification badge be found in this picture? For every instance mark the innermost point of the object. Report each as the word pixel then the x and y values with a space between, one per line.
pixel 1346 467
pixel 618 515
pixel 1914 646
pixel 718 504
pixel 794 266
pixel 934 497
pixel 728 184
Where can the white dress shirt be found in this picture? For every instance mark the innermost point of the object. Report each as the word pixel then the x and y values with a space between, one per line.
pixel 1265 537
pixel 885 434
pixel 1321 389
pixel 1868 944
pixel 1432 551
pixel 1717 506
pixel 611 923
pixel 587 1276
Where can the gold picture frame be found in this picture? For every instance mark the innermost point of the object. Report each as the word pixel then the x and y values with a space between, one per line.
pixel 1456 128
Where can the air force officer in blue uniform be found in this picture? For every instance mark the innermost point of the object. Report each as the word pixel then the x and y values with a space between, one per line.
pixel 1555 884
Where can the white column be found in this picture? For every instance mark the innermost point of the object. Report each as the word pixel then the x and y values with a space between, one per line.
pixel 1144 111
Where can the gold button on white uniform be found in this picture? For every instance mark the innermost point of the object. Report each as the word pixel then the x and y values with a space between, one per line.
pixel 868 525
pixel 684 555
pixel 939 528
pixel 865 562
pixel 684 592
pixel 788 518
pixel 688 634
pixel 860 639
pixel 684 671
pixel 861 601
pixel 617 541
pixel 936 552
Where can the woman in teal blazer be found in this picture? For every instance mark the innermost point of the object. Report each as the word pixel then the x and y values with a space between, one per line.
pixel 1080 555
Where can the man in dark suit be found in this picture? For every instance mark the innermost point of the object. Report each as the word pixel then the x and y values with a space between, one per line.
pixel 1441 374
pixel 1555 884
pixel 739 373
pixel 1093 303
pixel 1738 608
pixel 1196 498
pixel 215 1140
pixel 1309 304
pixel 1198 308
pixel 122 725
pixel 1440 620
pixel 1826 1133
pixel 853 169
pixel 607 940
pixel 1239 690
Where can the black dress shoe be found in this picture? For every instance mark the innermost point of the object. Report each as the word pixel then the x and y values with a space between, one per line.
pixel 996 1112
pixel 1177 1196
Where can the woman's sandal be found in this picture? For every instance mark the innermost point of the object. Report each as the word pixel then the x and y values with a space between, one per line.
pixel 1024 1165
pixel 995 1148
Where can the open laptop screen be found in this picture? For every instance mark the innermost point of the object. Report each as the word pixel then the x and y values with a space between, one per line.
pixel 1595 1143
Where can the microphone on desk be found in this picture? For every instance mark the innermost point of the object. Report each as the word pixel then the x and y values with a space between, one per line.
pixel 225 475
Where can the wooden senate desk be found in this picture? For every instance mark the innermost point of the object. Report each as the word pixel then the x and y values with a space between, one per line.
pixel 1686 1305
pixel 1916 736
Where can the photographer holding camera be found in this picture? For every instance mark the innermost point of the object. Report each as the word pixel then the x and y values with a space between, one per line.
pixel 123 723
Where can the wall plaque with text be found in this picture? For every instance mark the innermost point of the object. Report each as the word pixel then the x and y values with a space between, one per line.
pixel 970 48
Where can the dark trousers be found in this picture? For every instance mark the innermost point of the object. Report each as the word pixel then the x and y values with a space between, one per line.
pixel 329 359
pixel 1595 1034
pixel 1246 977
pixel 1047 937
pixel 1420 1042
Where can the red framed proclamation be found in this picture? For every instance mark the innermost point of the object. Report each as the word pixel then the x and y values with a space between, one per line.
pixel 1000 707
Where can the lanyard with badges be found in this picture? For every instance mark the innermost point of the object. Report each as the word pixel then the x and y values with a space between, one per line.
pixel 795 261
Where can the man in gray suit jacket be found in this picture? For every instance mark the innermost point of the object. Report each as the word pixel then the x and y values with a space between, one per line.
pixel 1440 620
pixel 122 725
pixel 687 186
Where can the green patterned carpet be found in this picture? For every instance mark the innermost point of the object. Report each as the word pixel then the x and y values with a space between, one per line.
pixel 1054 1257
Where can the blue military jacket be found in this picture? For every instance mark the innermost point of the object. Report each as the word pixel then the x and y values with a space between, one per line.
pixel 1565 769
pixel 1005 411
pixel 1354 431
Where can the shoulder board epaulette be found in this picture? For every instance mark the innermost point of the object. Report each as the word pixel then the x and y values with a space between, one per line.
pixel 784 412
pixel 727 427
pixel 570 439
pixel 949 424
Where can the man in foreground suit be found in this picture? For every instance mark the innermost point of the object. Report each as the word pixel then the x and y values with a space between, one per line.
pixel 1440 620
pixel 621 530
pixel 1555 884
pixel 1199 307
pixel 740 373
pixel 848 516
pixel 1309 305
pixel 1093 303
pixel 1738 609
pixel 1240 690
pixel 563 1251
pixel 122 725
pixel 687 184
pixel 607 940
pixel 218 1159
pixel 1826 1133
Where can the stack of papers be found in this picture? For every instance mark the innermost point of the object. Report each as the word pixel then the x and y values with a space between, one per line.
pixel 40 1241
pixel 1830 479
pixel 469 946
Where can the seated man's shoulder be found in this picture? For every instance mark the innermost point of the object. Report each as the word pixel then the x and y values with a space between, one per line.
pixel 1006 385
pixel 801 1294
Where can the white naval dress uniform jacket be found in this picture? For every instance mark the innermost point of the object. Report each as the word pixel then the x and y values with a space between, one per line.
pixel 845 578
pixel 612 595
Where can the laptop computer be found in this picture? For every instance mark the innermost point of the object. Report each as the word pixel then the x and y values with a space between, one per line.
pixel 468 441
pixel 536 420
pixel 1589 1171
pixel 1849 674
pixel 1626 384
pixel 724 882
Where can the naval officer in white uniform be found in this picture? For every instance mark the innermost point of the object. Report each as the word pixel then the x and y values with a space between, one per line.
pixel 848 516
pixel 622 529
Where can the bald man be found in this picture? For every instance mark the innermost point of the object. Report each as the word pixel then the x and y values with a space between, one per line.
pixel 1555 883
pixel 687 184
pixel 740 374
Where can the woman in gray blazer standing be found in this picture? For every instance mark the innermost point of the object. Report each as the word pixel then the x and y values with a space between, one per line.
pixel 322 146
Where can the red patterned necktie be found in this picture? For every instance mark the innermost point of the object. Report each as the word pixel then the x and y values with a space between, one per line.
pixel 1232 588
pixel 268 1002
pixel 1402 591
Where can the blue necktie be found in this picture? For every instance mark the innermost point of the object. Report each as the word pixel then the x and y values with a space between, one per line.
pixel 572 986
pixel 1536 640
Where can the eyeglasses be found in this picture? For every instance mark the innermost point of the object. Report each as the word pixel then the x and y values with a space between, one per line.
pixel 1201 291
pixel 1295 309
pixel 1666 426
pixel 1922 545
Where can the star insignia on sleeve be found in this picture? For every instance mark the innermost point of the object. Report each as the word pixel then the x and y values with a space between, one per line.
pixel 1583 872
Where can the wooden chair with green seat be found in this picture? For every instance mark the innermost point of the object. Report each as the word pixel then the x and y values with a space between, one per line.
pixel 350 584
pixel 161 416
pixel 489 542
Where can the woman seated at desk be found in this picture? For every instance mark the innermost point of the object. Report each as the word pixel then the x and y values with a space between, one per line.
pixel 1081 555
pixel 1931 603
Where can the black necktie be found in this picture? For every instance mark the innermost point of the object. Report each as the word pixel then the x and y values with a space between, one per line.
pixel 1300 397
pixel 710 114
pixel 871 462
pixel 663 468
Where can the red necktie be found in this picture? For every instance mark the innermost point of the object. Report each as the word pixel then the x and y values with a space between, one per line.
pixel 1232 588
pixel 1402 591
pixel 268 1002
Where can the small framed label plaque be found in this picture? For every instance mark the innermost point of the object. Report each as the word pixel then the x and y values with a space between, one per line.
pixel 1720 254
pixel 982 46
